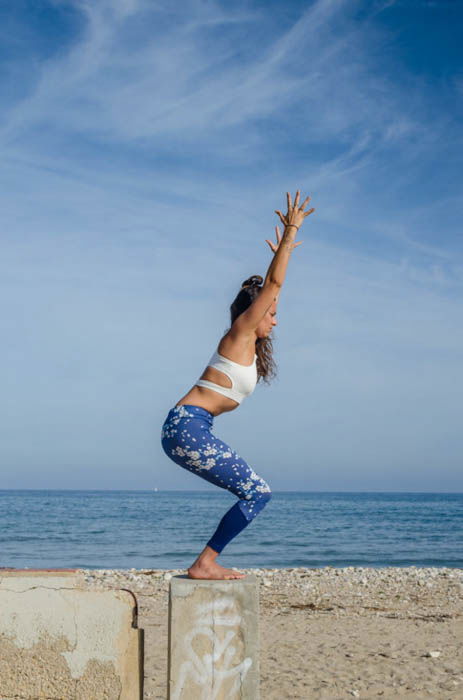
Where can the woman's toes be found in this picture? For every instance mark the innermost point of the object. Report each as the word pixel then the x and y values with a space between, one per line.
pixel 238 575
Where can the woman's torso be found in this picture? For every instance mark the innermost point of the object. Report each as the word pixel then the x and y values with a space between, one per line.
pixel 238 349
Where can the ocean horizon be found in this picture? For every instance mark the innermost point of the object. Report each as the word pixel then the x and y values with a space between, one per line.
pixel 166 529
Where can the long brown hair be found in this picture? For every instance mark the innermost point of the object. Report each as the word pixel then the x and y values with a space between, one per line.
pixel 266 368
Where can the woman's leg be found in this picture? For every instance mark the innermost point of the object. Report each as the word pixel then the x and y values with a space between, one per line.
pixel 253 493
pixel 192 445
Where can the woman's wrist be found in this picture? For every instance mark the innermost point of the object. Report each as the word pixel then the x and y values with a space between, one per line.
pixel 290 232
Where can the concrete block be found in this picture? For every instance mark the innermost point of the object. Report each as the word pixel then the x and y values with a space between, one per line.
pixel 58 640
pixel 213 639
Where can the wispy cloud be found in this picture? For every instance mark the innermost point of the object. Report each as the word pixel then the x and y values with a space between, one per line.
pixel 147 90
pixel 139 72
pixel 142 161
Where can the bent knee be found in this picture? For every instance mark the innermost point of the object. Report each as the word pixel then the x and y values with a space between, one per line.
pixel 265 496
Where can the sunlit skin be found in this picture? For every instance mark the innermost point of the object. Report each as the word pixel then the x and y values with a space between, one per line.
pixel 267 324
pixel 240 347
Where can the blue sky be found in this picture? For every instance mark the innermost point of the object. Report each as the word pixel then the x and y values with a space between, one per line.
pixel 145 146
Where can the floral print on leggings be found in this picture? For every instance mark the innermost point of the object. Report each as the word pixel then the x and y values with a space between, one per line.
pixel 187 439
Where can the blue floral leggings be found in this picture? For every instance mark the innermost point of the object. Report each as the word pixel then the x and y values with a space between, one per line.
pixel 187 439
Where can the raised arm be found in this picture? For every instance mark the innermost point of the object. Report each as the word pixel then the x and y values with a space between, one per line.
pixel 292 221
pixel 250 319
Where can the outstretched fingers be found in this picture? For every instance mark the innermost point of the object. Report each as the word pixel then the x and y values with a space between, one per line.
pixel 274 247
pixel 306 200
pixel 282 218
pixel 296 213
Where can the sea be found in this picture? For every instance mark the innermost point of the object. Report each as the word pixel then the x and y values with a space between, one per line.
pixel 167 529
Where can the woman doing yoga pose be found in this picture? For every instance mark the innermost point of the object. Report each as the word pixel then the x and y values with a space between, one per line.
pixel 243 356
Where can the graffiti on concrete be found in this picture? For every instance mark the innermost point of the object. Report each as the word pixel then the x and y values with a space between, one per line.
pixel 217 674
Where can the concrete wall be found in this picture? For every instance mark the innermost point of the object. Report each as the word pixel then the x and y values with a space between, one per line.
pixel 213 639
pixel 58 640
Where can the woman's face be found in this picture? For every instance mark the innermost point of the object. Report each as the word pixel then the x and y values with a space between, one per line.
pixel 265 327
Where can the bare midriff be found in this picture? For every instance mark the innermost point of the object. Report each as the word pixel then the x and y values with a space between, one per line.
pixel 214 402
pixel 209 399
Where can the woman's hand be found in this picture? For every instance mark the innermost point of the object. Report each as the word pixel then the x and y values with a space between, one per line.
pixel 274 247
pixel 296 213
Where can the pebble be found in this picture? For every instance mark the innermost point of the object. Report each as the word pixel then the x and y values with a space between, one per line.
pixel 417 592
pixel 425 596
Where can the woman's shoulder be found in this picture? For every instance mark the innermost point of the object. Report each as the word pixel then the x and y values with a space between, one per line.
pixel 237 346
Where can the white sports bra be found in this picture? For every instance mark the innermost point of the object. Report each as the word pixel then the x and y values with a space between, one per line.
pixel 243 377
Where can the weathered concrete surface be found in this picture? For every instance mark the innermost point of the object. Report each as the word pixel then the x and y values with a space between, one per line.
pixel 213 639
pixel 58 640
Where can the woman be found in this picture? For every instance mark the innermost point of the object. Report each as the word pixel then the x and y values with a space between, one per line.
pixel 243 356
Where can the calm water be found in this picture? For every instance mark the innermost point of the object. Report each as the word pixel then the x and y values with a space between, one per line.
pixel 166 529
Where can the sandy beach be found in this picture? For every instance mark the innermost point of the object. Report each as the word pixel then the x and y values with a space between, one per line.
pixel 330 633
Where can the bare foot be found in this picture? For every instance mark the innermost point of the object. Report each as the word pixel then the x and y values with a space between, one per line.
pixel 212 570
